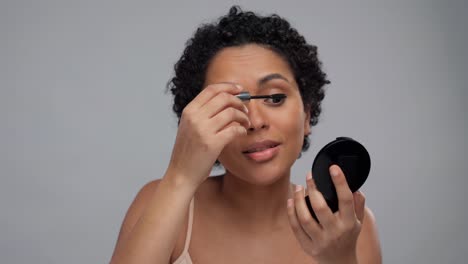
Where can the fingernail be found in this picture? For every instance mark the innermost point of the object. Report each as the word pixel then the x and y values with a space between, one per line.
pixel 298 188
pixel 309 176
pixel 334 172
pixel 290 202
pixel 246 109
pixel 238 86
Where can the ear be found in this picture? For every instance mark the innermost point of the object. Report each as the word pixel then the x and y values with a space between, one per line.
pixel 307 122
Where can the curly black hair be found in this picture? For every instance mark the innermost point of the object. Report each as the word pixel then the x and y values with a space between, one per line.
pixel 239 28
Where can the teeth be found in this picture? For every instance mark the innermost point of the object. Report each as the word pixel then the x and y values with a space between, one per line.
pixel 256 150
pixel 259 149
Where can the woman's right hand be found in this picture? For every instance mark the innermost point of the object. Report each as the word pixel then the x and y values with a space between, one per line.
pixel 207 124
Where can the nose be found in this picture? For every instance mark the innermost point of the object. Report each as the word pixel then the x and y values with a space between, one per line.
pixel 257 117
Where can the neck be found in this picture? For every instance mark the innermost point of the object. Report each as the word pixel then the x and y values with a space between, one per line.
pixel 257 207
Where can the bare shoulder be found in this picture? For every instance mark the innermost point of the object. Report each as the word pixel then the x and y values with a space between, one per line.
pixel 140 202
pixel 203 197
pixel 368 244
pixel 136 208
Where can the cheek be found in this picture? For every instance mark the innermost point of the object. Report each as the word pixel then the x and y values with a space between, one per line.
pixel 290 120
pixel 291 124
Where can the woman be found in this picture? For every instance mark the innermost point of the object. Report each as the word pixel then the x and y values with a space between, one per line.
pixel 252 213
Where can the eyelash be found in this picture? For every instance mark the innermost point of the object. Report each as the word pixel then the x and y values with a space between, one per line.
pixel 279 98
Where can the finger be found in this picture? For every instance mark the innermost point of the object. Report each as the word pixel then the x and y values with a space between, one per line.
pixel 227 117
pixel 220 102
pixel 230 133
pixel 310 226
pixel 323 213
pixel 345 196
pixel 300 234
pixel 211 91
pixel 359 205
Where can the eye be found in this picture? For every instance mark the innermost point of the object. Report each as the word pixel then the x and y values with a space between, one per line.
pixel 276 99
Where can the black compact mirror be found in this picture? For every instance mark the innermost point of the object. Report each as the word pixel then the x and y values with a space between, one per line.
pixel 351 157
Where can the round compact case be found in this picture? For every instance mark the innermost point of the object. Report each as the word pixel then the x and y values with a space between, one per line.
pixel 351 157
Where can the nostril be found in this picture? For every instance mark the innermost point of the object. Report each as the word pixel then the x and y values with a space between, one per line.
pixel 253 128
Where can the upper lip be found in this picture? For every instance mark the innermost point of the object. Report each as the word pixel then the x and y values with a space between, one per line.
pixel 260 145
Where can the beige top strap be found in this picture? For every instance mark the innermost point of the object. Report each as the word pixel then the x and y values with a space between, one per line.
pixel 184 257
pixel 189 227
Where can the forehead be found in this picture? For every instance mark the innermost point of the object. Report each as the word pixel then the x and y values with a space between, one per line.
pixel 247 62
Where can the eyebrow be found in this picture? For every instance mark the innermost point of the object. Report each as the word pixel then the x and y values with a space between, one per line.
pixel 270 77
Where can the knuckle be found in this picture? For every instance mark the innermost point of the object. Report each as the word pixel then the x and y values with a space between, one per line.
pixel 224 97
pixel 186 112
pixel 231 113
pixel 350 225
pixel 230 96
pixel 357 227
pixel 246 122
pixel 236 102
pixel 238 130
pixel 309 225
pixel 304 219
pixel 340 179
pixel 321 208
pixel 210 89
pixel 347 226
pixel 243 131
pixel 347 200
pixel 295 227
pixel 335 237
pixel 189 120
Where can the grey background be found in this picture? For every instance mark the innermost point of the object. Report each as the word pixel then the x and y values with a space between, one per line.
pixel 85 122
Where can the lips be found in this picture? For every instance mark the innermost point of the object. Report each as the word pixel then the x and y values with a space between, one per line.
pixel 262 151
pixel 260 146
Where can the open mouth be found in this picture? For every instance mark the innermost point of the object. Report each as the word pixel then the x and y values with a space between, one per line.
pixel 262 151
pixel 260 146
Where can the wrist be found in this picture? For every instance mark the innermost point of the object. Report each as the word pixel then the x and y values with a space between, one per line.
pixel 179 181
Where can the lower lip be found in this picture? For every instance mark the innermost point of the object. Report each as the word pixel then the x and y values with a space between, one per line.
pixel 264 155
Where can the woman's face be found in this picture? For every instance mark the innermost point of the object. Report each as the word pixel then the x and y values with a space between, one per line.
pixel 274 140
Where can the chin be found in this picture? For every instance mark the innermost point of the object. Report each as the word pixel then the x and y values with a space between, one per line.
pixel 261 175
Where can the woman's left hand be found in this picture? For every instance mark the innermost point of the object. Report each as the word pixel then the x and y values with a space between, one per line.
pixel 333 240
